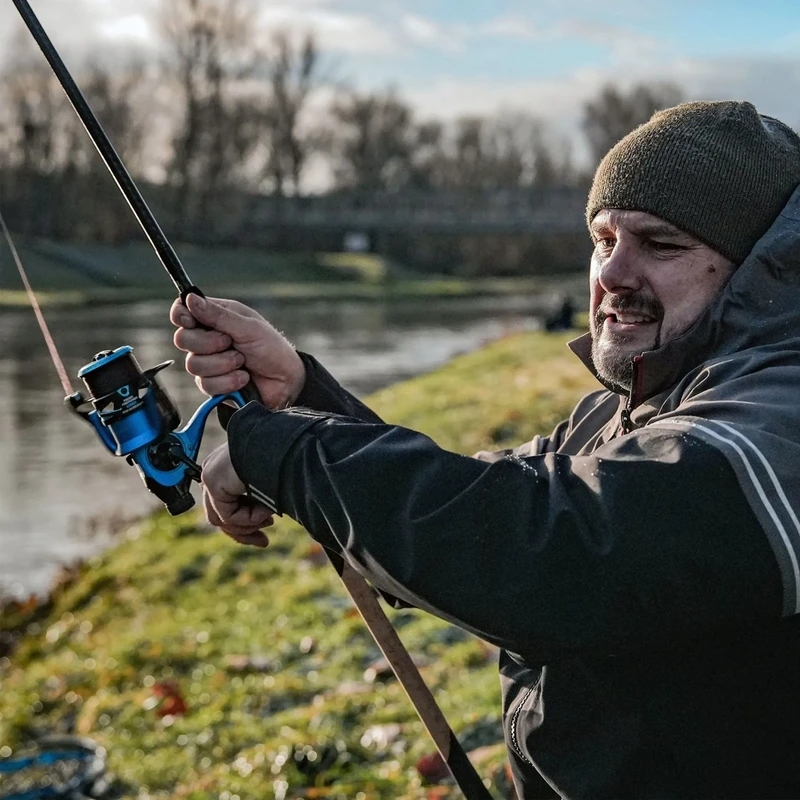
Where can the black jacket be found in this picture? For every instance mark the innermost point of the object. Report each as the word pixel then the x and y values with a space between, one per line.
pixel 641 578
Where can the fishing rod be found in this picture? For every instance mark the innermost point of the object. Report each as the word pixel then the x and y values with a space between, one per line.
pixel 134 417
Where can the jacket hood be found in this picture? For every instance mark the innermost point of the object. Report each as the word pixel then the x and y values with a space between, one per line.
pixel 760 305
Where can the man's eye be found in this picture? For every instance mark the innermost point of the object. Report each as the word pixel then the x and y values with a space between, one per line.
pixel 665 247
pixel 606 243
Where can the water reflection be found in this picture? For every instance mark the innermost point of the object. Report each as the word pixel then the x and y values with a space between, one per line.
pixel 56 478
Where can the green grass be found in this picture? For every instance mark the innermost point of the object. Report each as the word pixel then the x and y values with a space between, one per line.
pixel 368 266
pixel 412 290
pixel 66 273
pixel 57 266
pixel 264 645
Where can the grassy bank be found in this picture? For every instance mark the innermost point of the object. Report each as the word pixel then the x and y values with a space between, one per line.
pixel 69 274
pixel 64 273
pixel 215 671
pixel 309 291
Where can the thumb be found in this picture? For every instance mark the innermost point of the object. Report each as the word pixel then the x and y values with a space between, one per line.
pixel 219 317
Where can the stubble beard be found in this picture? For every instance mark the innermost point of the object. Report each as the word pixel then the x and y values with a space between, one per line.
pixel 612 360
pixel 612 353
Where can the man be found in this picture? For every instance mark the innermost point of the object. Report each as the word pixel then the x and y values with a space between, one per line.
pixel 639 566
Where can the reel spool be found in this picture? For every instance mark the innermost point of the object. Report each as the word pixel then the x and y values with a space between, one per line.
pixel 135 418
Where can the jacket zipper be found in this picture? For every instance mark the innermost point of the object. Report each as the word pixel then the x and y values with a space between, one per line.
pixel 514 721
pixel 634 396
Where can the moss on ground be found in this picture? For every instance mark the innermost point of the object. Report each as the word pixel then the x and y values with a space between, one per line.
pixel 210 670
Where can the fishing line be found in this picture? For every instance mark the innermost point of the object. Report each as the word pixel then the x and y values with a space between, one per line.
pixel 37 310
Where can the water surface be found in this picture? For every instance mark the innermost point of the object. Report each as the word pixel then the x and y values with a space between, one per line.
pixel 61 491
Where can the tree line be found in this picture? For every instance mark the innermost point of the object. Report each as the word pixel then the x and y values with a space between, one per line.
pixel 230 110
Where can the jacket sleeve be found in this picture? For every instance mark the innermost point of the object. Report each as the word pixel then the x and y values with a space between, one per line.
pixel 322 392
pixel 535 447
pixel 647 541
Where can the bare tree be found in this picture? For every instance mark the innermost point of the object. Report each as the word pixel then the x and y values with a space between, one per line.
pixel 373 140
pixel 552 163
pixel 36 122
pixel 427 155
pixel 614 113
pixel 210 46
pixel 117 98
pixel 294 73
pixel 50 168
pixel 510 150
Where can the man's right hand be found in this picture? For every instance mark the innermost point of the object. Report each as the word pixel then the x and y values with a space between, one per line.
pixel 239 345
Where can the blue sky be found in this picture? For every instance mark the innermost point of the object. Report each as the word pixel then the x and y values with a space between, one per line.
pixel 453 57
pixel 509 40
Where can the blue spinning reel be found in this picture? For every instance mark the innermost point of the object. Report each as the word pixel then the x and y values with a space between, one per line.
pixel 134 417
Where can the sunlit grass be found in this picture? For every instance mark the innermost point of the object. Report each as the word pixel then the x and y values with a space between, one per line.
pixel 368 266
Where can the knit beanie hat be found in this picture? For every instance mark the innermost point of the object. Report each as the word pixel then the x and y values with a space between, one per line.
pixel 719 171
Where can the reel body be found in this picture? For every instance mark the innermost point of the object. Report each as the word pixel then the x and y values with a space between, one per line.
pixel 135 418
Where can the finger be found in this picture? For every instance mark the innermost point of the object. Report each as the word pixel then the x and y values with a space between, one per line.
pixel 222 317
pixel 204 342
pixel 223 514
pixel 212 366
pixel 256 539
pixel 250 515
pixel 211 513
pixel 180 316
pixel 236 306
pixel 235 530
pixel 239 530
pixel 223 384
pixel 223 507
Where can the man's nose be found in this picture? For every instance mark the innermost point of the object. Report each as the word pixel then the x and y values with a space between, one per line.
pixel 620 273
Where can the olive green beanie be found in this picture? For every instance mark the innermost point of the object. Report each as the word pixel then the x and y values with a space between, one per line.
pixel 719 171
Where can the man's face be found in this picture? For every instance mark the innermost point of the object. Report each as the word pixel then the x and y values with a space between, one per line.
pixel 650 282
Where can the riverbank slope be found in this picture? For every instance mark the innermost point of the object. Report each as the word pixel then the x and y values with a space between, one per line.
pixel 70 274
pixel 210 670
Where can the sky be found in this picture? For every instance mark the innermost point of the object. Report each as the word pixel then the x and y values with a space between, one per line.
pixel 547 57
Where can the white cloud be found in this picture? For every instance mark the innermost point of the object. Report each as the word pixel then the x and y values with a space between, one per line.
pixel 337 32
pixel 77 26
pixel 133 27
pixel 512 26
pixel 772 85
pixel 421 30
pixel 428 33
pixel 624 45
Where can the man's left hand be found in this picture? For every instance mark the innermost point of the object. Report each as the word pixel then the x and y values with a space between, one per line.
pixel 226 505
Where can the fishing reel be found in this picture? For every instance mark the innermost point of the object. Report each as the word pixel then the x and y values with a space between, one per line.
pixel 134 417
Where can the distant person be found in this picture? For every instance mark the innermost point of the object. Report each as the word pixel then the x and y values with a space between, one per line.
pixel 639 567
pixel 563 319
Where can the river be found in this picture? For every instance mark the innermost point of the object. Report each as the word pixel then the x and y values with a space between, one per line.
pixel 62 494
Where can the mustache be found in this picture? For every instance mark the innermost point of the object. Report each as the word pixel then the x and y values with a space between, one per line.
pixel 635 302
